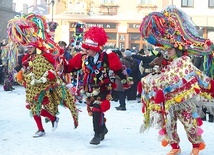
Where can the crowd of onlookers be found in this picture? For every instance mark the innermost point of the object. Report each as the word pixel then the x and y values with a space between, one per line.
pixel 136 64
pixel 6 74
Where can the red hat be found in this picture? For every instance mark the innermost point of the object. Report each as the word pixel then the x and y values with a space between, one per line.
pixel 94 38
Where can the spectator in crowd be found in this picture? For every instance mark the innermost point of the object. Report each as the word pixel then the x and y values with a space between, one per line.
pixel 133 71
pixel 63 45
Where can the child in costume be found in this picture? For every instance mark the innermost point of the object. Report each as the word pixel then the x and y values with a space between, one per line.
pixel 169 95
pixel 44 88
pixel 97 84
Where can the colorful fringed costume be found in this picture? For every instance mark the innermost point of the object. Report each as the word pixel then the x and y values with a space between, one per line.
pixel 44 88
pixel 170 94
pixel 97 84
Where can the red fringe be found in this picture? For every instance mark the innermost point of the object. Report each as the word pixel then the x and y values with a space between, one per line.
pixel 114 62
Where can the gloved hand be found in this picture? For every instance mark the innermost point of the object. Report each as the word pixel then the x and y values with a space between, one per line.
pixel 127 83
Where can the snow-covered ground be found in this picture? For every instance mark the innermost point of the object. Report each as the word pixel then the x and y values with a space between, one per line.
pixel 123 138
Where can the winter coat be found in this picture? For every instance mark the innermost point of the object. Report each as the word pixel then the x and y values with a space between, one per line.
pixel 119 85
pixel 132 67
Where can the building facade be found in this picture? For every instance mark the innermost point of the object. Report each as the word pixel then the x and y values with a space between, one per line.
pixel 6 13
pixel 121 18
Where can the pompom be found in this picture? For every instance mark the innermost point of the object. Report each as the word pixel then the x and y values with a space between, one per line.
pixel 200 131
pixel 178 99
pixel 162 132
pixel 19 76
pixel 199 121
pixel 164 143
pixel 195 115
pixel 202 146
pixel 159 98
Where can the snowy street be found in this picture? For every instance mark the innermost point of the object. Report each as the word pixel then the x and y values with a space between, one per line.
pixel 17 128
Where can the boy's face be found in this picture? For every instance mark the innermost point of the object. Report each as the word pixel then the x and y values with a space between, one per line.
pixel 31 49
pixel 91 52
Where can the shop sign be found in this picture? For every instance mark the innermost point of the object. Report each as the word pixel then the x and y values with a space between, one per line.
pixel 102 25
pixel 134 26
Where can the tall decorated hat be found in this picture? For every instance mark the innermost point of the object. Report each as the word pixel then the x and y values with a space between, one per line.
pixel 94 39
pixel 174 28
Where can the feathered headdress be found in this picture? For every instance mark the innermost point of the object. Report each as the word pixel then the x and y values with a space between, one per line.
pixel 173 28
pixel 94 38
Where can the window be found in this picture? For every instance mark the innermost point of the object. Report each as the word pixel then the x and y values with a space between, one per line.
pixel 147 2
pixel 134 36
pixel 187 3
pixel 108 1
pixel 112 36
pixel 211 4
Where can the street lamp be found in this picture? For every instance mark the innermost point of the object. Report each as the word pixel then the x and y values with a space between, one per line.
pixel 52 25
pixel 52 2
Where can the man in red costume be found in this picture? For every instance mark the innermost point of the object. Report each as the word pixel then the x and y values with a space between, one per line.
pixel 97 83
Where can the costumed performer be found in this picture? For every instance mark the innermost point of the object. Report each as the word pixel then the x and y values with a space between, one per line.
pixel 44 88
pixel 169 95
pixel 97 85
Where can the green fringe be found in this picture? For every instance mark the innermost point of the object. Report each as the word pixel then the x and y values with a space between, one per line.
pixel 40 99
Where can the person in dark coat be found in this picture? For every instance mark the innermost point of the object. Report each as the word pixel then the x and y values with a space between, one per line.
pixel 63 45
pixel 133 71
pixel 119 90
pixel 19 61
pixel 146 59
pixel 1 70
pixel 198 62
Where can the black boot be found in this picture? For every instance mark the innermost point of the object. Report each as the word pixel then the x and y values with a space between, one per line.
pixel 95 140
pixel 203 118
pixel 121 108
pixel 103 133
pixel 210 118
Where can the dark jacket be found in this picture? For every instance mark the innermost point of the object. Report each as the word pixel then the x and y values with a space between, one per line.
pixel 132 66
pixel 146 61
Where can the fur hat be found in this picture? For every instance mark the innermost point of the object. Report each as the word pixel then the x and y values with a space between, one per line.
pixel 94 38
pixel 128 53
pixel 62 43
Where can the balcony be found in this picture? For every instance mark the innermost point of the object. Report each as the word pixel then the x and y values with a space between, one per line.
pixel 109 9
pixel 141 7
